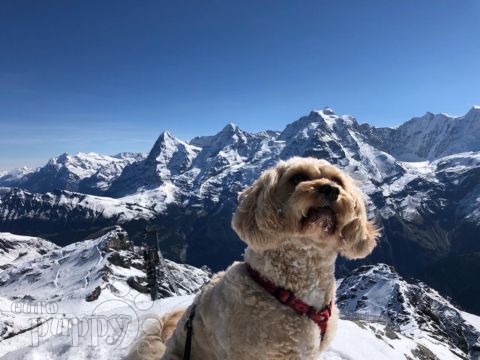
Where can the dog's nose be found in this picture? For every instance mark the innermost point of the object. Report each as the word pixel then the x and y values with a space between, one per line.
pixel 329 191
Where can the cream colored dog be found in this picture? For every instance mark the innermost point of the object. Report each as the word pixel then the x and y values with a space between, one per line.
pixel 295 219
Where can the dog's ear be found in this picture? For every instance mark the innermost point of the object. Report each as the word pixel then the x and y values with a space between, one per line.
pixel 258 218
pixel 359 237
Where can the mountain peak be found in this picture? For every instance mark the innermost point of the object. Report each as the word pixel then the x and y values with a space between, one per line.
pixel 169 155
pixel 230 128
pixel 222 138
pixel 165 139
pixel 327 111
pixel 165 142
pixel 166 135
pixel 227 134
pixel 324 118
pixel 61 158
pixel 474 112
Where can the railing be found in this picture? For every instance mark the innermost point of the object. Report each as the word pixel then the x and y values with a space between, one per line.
pixel 368 318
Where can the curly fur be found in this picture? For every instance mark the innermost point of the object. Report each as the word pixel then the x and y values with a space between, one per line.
pixel 235 317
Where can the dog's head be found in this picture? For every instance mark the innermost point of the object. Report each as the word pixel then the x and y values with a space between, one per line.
pixel 307 200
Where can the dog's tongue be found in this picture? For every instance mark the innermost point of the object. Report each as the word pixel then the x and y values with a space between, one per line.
pixel 322 216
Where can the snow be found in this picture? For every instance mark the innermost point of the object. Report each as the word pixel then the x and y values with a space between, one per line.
pixel 85 165
pixel 353 340
pixel 472 319
pixel 126 312
pixel 214 168
pixel 91 344
pixel 377 293
pixel 53 288
pixel 108 207
pixel 156 199
pixel 68 171
pixel 8 177
pixel 458 163
pixel 435 135
pixel 71 272
pixel 17 249
pixel 421 167
pixel 93 206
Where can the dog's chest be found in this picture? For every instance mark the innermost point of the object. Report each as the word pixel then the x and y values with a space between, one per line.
pixel 254 320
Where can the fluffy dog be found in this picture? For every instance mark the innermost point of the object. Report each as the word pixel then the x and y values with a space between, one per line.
pixel 296 218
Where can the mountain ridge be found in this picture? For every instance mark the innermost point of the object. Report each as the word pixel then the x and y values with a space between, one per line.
pixel 105 275
pixel 428 209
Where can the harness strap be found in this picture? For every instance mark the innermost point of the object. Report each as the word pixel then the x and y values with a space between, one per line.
pixel 288 298
pixel 189 329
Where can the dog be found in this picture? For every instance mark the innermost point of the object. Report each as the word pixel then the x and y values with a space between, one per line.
pixel 279 303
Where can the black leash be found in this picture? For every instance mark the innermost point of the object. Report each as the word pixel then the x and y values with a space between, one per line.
pixel 189 329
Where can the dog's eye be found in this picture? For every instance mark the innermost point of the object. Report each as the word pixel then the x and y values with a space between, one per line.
pixel 298 178
pixel 337 180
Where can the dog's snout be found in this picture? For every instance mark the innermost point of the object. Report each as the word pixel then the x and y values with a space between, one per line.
pixel 329 191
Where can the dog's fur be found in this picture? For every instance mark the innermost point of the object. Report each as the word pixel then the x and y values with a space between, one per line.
pixel 288 243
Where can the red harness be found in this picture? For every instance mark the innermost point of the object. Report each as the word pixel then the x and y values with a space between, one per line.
pixel 286 297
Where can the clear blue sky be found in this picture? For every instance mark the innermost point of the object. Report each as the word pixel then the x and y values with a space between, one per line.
pixel 109 76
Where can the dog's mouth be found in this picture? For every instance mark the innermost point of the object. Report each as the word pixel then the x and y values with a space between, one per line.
pixel 324 217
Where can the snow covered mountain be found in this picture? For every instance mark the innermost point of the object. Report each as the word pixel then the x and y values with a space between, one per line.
pixel 382 315
pixel 85 172
pixel 16 249
pixel 59 213
pixel 82 279
pixel 432 136
pixel 15 177
pixel 169 157
pixel 77 270
pixel 428 209
pixel 378 293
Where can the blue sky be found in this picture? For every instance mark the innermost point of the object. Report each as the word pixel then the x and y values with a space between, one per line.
pixel 109 76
